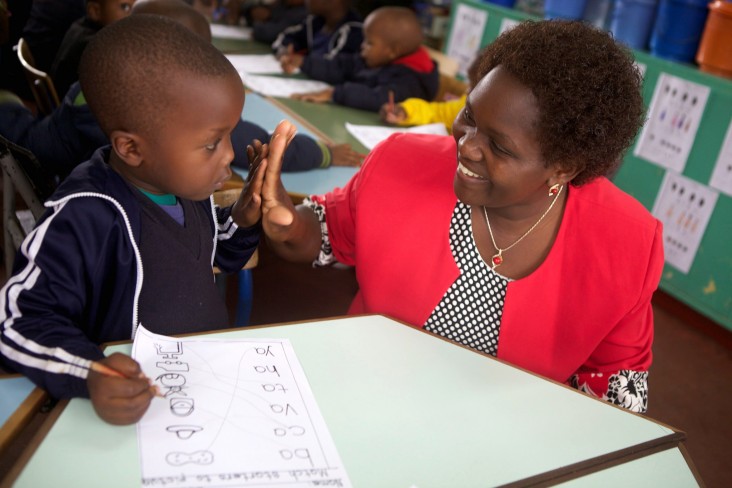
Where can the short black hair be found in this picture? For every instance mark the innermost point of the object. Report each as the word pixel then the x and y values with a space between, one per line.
pixel 587 86
pixel 130 68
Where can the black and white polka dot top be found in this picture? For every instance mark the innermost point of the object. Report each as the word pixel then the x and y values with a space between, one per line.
pixel 470 310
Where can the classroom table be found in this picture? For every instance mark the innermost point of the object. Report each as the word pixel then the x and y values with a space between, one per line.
pixel 19 401
pixel 405 408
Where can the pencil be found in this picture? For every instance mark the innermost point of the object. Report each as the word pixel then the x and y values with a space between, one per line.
pixel 391 101
pixel 105 370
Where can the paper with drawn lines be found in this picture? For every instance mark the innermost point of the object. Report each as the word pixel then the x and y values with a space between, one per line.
pixel 234 413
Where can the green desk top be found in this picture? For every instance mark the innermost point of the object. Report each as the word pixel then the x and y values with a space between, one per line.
pixel 404 408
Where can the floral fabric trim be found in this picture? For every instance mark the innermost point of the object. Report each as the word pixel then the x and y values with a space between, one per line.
pixel 625 388
pixel 325 257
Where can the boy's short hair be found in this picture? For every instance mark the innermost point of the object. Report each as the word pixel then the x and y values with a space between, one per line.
pixel 403 32
pixel 131 69
pixel 587 88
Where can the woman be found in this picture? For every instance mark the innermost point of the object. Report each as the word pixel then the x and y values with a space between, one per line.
pixel 518 247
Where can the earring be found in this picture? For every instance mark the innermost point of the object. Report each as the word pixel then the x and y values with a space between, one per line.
pixel 554 189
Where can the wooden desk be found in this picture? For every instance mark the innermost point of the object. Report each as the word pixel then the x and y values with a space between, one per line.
pixel 19 401
pixel 405 408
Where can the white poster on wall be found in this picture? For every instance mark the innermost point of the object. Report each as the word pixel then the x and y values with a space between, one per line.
pixel 676 108
pixel 684 206
pixel 467 32
pixel 722 174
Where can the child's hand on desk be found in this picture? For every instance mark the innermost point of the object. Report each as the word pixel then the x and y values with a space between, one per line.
pixel 291 61
pixel 122 398
pixel 317 97
pixel 344 155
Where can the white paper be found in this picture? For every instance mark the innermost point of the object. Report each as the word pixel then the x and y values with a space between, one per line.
pixel 684 206
pixel 273 86
pixel 676 108
pixel 255 63
pixel 221 31
pixel 234 413
pixel 466 35
pixel 371 135
pixel 722 174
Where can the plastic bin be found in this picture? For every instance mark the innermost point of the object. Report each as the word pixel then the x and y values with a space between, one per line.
pixel 715 49
pixel 632 22
pixel 564 9
pixel 678 28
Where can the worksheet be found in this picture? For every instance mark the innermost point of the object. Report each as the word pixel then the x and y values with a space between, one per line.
pixel 275 86
pixel 221 31
pixel 255 63
pixel 232 413
pixel 685 207
pixel 722 174
pixel 676 109
pixel 371 135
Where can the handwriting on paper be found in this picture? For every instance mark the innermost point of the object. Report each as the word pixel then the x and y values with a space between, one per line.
pixel 233 413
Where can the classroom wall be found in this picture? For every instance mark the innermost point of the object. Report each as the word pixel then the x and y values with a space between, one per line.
pixel 683 177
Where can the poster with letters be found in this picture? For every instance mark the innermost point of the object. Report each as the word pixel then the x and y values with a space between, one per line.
pixel 466 34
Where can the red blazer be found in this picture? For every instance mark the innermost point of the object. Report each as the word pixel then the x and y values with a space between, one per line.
pixel 586 308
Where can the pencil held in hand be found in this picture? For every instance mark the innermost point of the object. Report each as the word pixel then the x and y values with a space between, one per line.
pixel 105 370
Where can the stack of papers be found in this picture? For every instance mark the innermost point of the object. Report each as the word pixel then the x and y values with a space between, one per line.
pixel 231 32
pixel 255 63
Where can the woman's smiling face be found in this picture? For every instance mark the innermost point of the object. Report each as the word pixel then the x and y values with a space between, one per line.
pixel 499 159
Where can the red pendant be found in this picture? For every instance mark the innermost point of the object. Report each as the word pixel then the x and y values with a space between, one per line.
pixel 497 260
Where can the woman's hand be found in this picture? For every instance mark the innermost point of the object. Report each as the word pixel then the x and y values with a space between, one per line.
pixel 122 399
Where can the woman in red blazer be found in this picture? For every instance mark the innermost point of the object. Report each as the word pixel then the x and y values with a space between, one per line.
pixel 506 237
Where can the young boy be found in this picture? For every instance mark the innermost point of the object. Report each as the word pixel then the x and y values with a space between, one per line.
pixel 70 134
pixel 99 13
pixel 131 236
pixel 391 67
pixel 331 28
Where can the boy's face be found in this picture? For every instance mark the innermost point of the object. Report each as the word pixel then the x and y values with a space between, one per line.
pixel 374 49
pixel 189 156
pixel 105 12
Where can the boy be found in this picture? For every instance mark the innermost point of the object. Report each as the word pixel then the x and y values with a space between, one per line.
pixel 130 237
pixel 392 66
pixel 70 134
pixel 99 13
pixel 332 27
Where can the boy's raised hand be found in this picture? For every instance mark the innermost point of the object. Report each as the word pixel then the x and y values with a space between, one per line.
pixel 247 210
pixel 120 399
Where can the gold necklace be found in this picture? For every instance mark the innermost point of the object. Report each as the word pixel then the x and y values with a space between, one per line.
pixel 497 258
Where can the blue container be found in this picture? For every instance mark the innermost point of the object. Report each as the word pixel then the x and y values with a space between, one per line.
pixel 678 29
pixel 504 3
pixel 632 22
pixel 597 12
pixel 564 9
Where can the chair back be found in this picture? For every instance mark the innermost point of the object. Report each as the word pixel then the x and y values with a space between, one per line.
pixel 25 181
pixel 40 82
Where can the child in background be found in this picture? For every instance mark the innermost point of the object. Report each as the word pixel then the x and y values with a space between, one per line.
pixel 331 27
pixel 416 111
pixel 99 13
pixel 71 134
pixel 391 67
pixel 268 18
pixel 131 236
pixel 48 22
